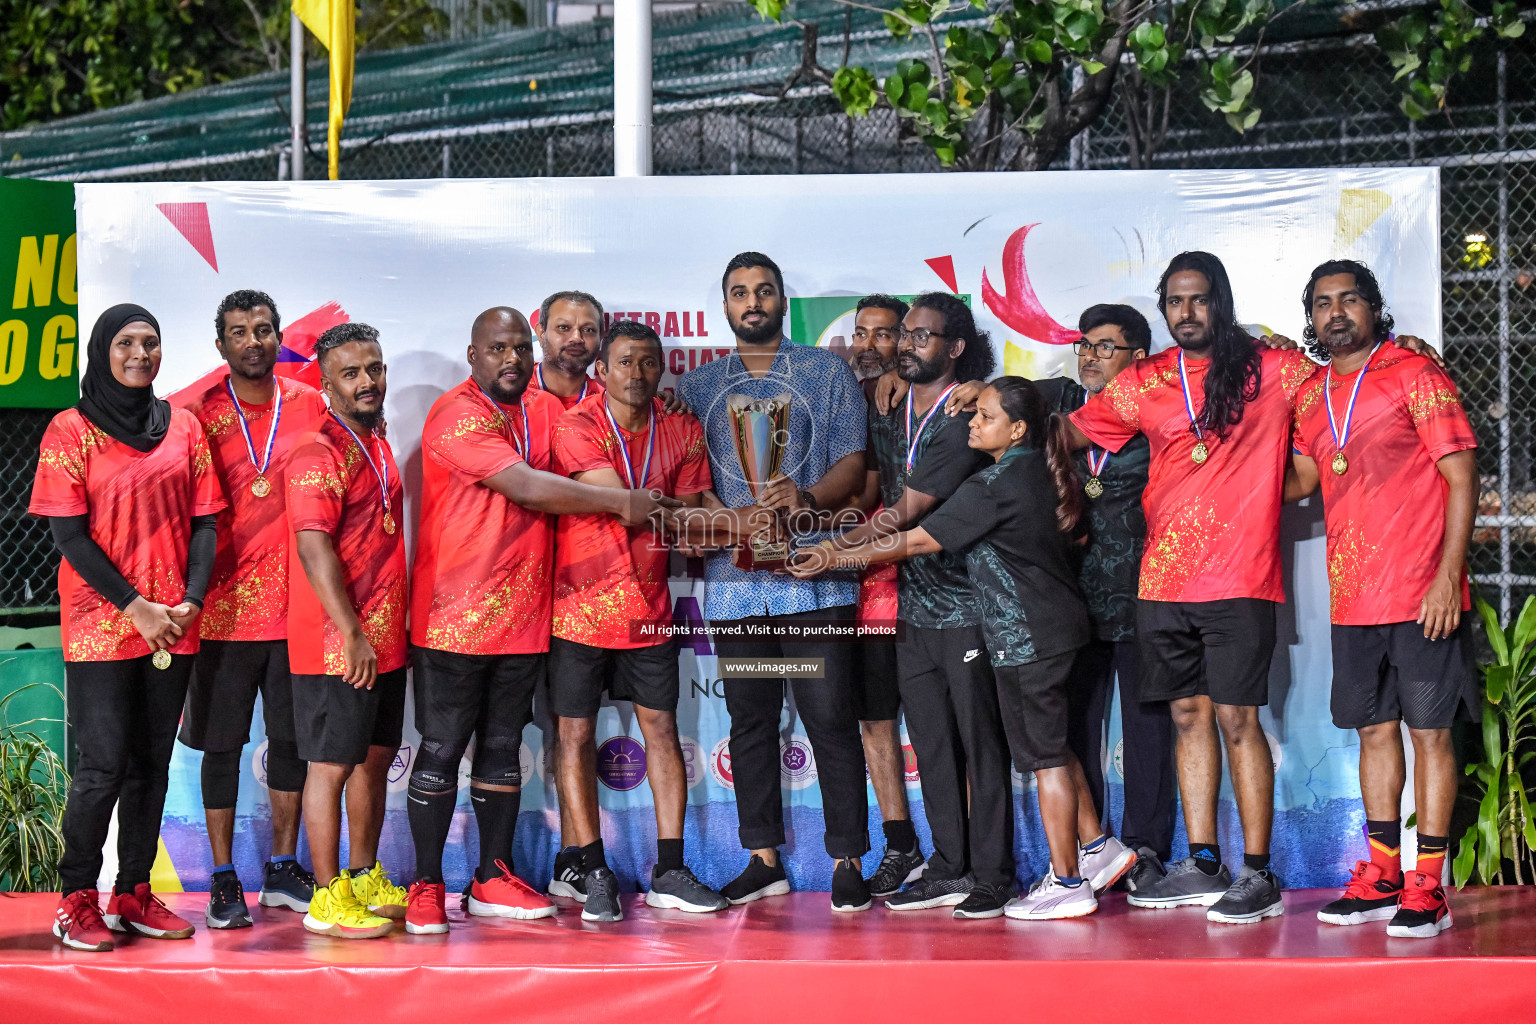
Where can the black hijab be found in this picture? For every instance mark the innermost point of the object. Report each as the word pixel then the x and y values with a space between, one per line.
pixel 133 416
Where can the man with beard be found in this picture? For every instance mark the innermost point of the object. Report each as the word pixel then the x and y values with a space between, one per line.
pixel 570 330
pixel 823 468
pixel 877 323
pixel 1216 410
pixel 945 676
pixel 1395 455
pixel 346 632
pixel 608 581
pixel 253 420
pixel 481 614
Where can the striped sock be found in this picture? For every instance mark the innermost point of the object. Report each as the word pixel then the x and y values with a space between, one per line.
pixel 1386 842
pixel 1432 855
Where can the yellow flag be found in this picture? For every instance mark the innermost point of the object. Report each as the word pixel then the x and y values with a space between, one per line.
pixel 332 22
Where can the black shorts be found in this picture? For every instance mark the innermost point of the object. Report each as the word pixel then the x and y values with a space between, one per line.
pixel 484 695
pixel 221 697
pixel 1391 672
pixel 578 674
pixel 1215 649
pixel 336 723
pixel 876 694
pixel 1033 699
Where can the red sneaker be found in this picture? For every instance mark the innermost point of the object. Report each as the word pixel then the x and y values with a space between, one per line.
pixel 507 896
pixel 141 911
pixel 1370 896
pixel 78 922
pixel 424 914
pixel 1425 912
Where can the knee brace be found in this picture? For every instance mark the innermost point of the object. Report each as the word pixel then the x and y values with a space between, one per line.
pixel 496 763
pixel 221 779
pixel 286 771
pixel 437 769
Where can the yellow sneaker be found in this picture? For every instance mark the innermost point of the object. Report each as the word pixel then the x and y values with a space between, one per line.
pixel 334 910
pixel 378 893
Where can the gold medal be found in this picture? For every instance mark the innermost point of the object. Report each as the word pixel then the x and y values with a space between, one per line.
pixel 161 660
pixel 1200 454
pixel 1340 463
pixel 1093 488
pixel 389 524
pixel 261 487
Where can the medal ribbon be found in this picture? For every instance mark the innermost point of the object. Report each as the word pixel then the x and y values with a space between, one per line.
pixel 650 446
pixel 914 434
pixel 380 468
pixel 1098 458
pixel 539 369
pixel 1341 436
pixel 521 449
pixel 1189 403
pixel 245 427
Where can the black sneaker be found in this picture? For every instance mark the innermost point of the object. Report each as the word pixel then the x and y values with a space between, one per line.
pixel 986 900
pixel 757 881
pixel 1370 896
pixel 927 893
pixel 567 880
pixel 226 903
pixel 896 870
pixel 1185 884
pixel 678 889
pixel 287 885
pixel 602 902
pixel 849 893
pixel 1425 912
pixel 1254 896
pixel 1146 872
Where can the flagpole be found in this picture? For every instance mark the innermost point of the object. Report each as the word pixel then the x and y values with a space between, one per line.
pixel 296 94
pixel 631 88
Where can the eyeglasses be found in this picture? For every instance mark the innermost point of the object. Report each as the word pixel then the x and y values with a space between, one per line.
pixel 1102 349
pixel 919 336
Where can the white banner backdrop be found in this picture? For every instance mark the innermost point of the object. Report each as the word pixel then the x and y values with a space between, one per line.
pixel 419 260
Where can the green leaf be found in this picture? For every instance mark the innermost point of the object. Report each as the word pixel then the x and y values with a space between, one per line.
pixel 894 87
pixel 1461 867
pixel 1093 67
pixel 1496 679
pixel 771 10
pixel 1039 51
pixel 1525 625
pixel 854 88
pixel 1242 122
pixel 1492 631
pixel 916 97
pixel 1493 747
pixel 936 114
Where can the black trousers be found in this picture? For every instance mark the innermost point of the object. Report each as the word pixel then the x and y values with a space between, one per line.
pixel 123 717
pixel 829 710
pixel 956 728
pixel 1151 783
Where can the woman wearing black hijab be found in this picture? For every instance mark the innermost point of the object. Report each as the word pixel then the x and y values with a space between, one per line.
pixel 129 490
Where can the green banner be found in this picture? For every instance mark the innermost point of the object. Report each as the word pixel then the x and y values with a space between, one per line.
pixel 39 337
pixel 828 320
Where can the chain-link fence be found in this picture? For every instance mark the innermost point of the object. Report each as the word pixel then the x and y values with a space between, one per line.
pixel 729 102
pixel 28 565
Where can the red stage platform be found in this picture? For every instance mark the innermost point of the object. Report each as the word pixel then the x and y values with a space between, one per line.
pixel 791 961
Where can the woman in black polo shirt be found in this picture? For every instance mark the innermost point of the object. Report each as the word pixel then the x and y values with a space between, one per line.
pixel 1016 520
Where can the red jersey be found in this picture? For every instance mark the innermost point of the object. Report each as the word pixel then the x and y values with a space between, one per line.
pixel 141 506
pixel 248 595
pixel 567 402
pixel 1385 514
pixel 607 576
pixel 331 488
pixel 483 562
pixel 1213 530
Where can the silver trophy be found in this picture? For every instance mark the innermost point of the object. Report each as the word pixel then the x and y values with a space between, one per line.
pixel 760 431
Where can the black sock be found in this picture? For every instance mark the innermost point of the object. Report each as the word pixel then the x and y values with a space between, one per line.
pixel 900 835
pixel 1256 861
pixel 1207 857
pixel 592 857
pixel 669 855
pixel 430 815
pixel 496 818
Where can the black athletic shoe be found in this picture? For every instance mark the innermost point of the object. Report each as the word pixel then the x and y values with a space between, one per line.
pixel 679 889
pixel 567 881
pixel 986 900
pixel 1146 872
pixel 602 902
pixel 1425 912
pixel 757 881
pixel 849 892
pixel 1254 895
pixel 927 893
pixel 1370 896
pixel 287 885
pixel 226 903
pixel 896 870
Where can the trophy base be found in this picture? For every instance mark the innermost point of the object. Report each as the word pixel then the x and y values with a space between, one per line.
pixel 760 556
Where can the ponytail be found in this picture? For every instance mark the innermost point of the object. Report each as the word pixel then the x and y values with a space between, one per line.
pixel 1049 433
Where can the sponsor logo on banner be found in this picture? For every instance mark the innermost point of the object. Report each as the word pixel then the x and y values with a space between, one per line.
pixel 400 769
pixel 466 765
pixel 525 763
pixel 720 764
pixel 1021 782
pixel 797 765
pixel 621 763
pixel 909 764
pixel 693 760
pixel 259 763
pixel 1275 753
pixel 1119 758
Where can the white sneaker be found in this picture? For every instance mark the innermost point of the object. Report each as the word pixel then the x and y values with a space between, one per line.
pixel 1049 900
pixel 1106 867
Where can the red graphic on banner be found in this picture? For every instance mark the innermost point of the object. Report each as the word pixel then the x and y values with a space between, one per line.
pixel 191 219
pixel 1020 308
pixel 944 266
pixel 295 356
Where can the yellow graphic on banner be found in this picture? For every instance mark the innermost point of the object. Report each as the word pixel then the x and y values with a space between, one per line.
pixel 1359 208
pixel 163 876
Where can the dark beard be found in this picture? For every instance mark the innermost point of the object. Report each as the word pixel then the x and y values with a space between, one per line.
pixel 245 374
pixel 919 371
pixel 507 395
pixel 766 331
pixel 877 367
pixel 371 420
pixel 574 367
